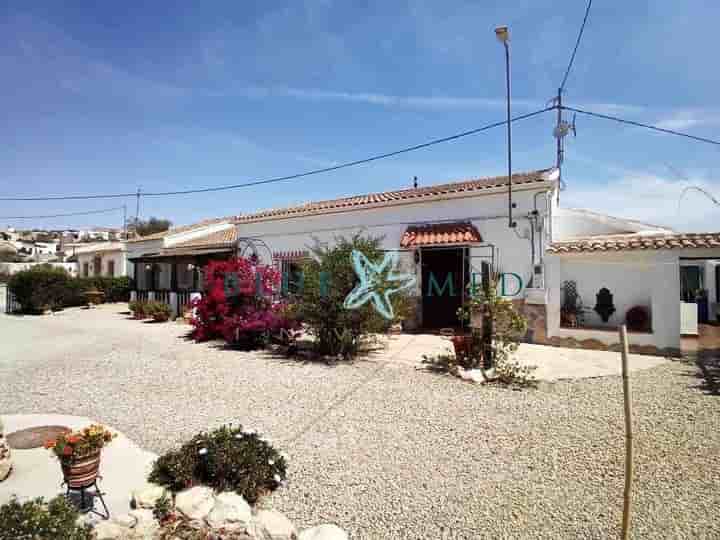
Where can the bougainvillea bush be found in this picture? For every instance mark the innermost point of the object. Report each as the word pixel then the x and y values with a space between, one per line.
pixel 241 308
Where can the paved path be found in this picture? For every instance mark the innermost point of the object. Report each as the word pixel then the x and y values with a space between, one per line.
pixel 553 363
pixel 36 472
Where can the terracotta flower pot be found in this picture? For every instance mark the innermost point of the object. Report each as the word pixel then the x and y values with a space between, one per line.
pixel 81 471
pixel 462 345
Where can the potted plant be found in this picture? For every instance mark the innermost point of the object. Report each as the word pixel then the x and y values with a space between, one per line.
pixel 79 454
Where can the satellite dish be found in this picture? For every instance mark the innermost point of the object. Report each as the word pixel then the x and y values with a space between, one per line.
pixel 564 127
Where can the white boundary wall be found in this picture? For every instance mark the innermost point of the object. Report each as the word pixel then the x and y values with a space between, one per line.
pixel 649 278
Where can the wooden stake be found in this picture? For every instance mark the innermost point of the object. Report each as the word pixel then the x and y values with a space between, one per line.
pixel 628 435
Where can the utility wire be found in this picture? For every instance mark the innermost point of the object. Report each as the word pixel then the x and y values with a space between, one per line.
pixel 639 124
pixel 107 210
pixel 577 44
pixel 291 176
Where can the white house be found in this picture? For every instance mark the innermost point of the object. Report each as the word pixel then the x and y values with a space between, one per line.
pixel 102 259
pixel 447 235
pixel 166 265
pixel 620 270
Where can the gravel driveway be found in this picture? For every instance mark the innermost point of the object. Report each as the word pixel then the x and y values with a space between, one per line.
pixel 381 448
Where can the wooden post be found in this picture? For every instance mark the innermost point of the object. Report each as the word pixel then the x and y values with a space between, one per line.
pixel 628 435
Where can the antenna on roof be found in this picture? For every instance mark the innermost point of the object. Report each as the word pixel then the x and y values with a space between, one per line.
pixel 414 182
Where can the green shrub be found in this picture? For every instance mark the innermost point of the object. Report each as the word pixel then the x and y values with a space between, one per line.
pixel 139 309
pixel 328 278
pixel 159 311
pixel 116 289
pixel 227 458
pixel 39 287
pixel 37 520
pixel 45 285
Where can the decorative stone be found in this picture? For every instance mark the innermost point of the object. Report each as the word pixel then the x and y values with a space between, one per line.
pixel 326 531
pixel 272 525
pixel 147 496
pixel 146 524
pixel 196 502
pixel 230 511
pixel 110 530
pixel 137 525
pixel 5 461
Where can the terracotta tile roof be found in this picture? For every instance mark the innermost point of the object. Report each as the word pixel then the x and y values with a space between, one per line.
pixel 441 191
pixel 440 234
pixel 290 255
pixel 634 242
pixel 185 228
pixel 221 238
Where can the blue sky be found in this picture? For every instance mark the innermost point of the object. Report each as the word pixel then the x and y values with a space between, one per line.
pixel 102 98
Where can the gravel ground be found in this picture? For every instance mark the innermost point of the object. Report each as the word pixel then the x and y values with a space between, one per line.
pixel 385 450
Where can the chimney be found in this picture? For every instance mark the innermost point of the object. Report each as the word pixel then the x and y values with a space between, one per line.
pixel 414 182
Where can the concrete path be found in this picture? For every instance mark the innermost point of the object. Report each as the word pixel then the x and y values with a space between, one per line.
pixel 36 472
pixel 553 363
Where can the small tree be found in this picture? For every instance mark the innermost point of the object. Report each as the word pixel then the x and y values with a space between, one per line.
pixel 150 226
pixel 502 325
pixel 327 280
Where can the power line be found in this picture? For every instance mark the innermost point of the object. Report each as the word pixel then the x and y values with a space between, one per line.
pixel 352 163
pixel 639 124
pixel 107 210
pixel 577 44
pixel 291 176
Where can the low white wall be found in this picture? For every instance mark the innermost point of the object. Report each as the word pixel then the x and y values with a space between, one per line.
pixel 650 279
pixel 626 280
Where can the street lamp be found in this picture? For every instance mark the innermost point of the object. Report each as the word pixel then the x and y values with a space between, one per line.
pixel 503 35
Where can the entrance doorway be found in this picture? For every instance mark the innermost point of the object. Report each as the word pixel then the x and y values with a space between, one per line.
pixel 444 277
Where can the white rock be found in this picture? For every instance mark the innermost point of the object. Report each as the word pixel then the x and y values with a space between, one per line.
pixel 110 530
pixel 272 525
pixel 146 524
pixel 327 531
pixel 230 512
pixel 147 496
pixel 125 520
pixel 5 460
pixel 196 502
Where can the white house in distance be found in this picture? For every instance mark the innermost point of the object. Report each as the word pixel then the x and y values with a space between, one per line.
pixel 166 265
pixel 107 259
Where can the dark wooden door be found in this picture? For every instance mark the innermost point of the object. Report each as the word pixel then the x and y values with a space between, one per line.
pixel 442 286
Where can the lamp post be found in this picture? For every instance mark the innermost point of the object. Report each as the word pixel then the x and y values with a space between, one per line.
pixel 503 35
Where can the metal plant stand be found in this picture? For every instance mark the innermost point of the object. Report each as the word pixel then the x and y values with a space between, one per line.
pixel 86 505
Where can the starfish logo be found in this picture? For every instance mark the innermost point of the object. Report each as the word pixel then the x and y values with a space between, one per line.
pixel 378 282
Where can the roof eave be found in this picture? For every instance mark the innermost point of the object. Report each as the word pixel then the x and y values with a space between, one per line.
pixel 526 186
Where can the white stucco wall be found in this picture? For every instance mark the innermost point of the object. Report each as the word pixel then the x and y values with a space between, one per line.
pixel 625 279
pixel 487 212
pixel 649 278
pixel 119 257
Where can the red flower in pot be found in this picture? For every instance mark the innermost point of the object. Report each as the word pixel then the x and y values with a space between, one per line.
pixel 79 454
